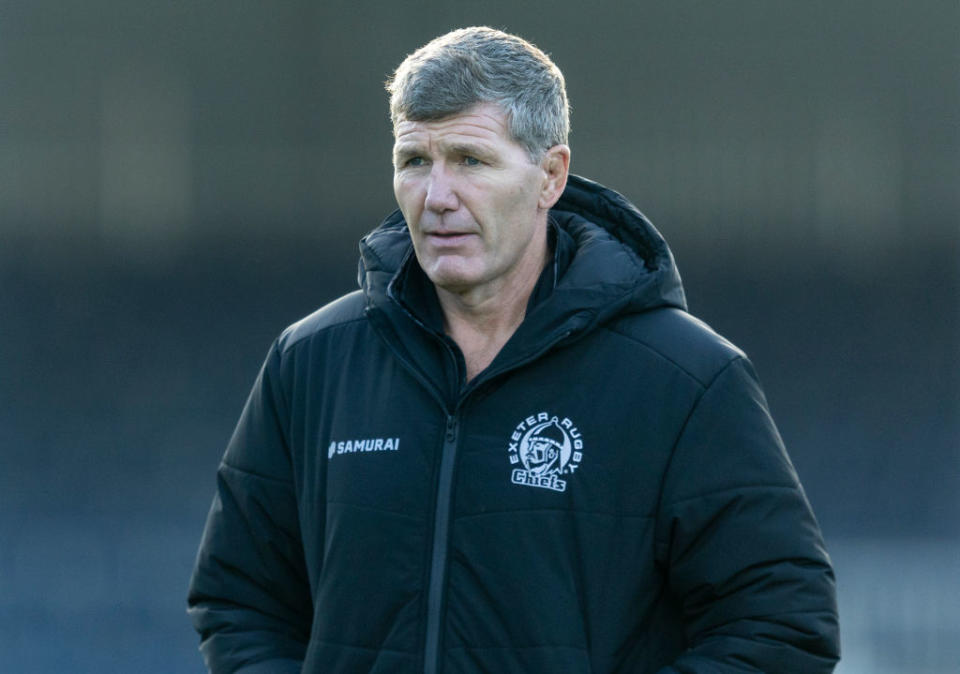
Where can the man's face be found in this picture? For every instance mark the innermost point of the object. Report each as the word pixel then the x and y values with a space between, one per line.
pixel 472 200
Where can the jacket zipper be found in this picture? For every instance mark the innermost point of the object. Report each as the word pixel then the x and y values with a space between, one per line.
pixel 438 558
pixel 441 515
pixel 441 524
pixel 441 518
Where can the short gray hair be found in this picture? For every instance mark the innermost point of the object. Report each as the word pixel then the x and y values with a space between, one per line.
pixel 465 67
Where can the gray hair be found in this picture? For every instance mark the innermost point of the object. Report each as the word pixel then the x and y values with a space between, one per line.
pixel 475 65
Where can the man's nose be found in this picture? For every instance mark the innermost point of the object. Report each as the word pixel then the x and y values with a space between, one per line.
pixel 441 193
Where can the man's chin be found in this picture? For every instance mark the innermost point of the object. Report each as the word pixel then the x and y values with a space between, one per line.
pixel 454 280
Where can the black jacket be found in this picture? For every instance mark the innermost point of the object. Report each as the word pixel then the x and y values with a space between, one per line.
pixel 609 495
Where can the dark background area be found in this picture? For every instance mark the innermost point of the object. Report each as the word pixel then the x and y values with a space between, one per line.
pixel 181 180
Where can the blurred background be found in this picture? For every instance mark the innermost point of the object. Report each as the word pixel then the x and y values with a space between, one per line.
pixel 181 180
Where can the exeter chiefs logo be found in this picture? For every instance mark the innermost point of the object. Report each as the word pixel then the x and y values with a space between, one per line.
pixel 547 447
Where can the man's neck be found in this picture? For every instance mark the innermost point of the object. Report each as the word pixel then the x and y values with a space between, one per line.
pixel 481 322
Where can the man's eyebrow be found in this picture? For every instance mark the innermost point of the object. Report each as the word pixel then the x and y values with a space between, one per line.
pixel 403 151
pixel 406 150
pixel 469 148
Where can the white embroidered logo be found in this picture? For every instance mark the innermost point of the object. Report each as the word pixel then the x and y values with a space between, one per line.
pixel 365 445
pixel 547 447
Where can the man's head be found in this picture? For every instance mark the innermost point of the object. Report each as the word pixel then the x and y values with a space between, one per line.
pixel 456 71
pixel 479 123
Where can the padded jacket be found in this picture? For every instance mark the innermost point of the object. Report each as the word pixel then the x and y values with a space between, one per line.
pixel 609 495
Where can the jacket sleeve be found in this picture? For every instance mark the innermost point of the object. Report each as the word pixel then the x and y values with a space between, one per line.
pixel 249 596
pixel 742 551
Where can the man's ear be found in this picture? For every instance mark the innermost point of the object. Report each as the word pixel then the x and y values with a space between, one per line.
pixel 556 168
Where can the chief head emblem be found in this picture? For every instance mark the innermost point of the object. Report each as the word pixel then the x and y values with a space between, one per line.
pixel 547 447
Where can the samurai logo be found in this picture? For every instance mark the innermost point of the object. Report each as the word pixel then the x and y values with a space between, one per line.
pixel 547 447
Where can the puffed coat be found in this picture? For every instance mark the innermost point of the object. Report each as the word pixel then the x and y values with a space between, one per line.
pixel 609 495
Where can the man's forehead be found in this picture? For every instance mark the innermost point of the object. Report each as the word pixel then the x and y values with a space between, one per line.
pixel 482 121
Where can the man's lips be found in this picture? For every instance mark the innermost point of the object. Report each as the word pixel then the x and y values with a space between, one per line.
pixel 448 238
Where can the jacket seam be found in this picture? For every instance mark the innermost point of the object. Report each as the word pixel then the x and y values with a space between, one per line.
pixel 658 352
pixel 375 649
pixel 638 256
pixel 793 645
pixel 519 648
pixel 814 611
pixel 748 487
pixel 372 251
pixel 225 464
pixel 375 509
pixel 683 429
pixel 565 511
pixel 319 331
pixel 278 385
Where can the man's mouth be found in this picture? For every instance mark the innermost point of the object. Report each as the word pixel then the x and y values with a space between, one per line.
pixel 449 237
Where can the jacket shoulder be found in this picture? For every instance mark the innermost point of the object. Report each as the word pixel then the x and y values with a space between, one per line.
pixel 345 309
pixel 680 338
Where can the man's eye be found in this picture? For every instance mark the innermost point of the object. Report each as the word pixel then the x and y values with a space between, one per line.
pixel 471 161
pixel 414 161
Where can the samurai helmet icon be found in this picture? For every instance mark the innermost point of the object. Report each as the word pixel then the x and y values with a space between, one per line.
pixel 545 449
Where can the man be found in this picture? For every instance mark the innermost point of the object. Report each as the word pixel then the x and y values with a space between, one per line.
pixel 512 450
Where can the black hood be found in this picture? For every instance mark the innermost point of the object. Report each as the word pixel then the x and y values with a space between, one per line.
pixel 621 263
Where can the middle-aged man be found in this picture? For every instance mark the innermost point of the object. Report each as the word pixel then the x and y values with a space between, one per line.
pixel 512 450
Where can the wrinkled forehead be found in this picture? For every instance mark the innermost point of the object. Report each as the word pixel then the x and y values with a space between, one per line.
pixel 480 122
pixel 483 114
pixel 480 131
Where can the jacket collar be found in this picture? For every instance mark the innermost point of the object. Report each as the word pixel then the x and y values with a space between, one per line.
pixel 613 246
pixel 609 260
pixel 411 287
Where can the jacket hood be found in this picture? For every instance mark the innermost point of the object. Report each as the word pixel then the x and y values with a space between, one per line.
pixel 621 263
